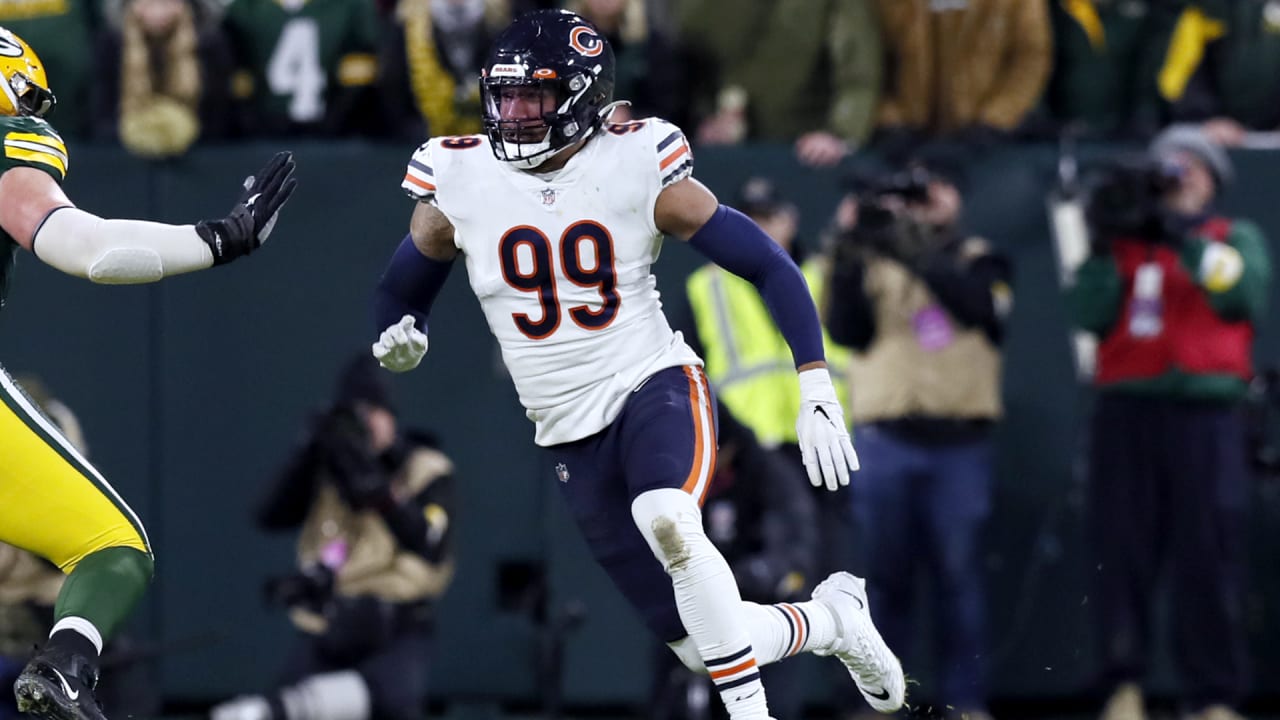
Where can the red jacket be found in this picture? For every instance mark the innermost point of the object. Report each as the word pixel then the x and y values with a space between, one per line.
pixel 1193 338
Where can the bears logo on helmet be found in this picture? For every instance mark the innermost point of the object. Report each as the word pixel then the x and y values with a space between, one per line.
pixel 586 41
pixel 547 84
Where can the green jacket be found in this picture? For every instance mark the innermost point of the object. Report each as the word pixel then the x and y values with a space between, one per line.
pixel 1096 300
pixel 1224 60
pixel 1107 54
pixel 300 60
pixel 804 64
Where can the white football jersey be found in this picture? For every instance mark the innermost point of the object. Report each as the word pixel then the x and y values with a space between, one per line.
pixel 560 262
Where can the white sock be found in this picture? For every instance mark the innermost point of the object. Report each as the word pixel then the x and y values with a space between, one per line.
pixel 786 629
pixel 707 597
pixel 77 624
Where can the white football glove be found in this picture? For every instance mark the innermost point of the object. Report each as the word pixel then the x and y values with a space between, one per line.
pixel 824 441
pixel 400 347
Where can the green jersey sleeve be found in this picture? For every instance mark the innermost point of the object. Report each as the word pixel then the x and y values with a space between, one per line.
pixel 32 142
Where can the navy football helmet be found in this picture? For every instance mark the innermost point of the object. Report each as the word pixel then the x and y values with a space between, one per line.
pixel 558 61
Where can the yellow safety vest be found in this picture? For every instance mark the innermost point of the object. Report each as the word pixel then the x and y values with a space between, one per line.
pixel 747 360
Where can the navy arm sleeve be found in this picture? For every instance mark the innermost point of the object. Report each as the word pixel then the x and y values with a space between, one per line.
pixel 408 286
pixel 735 243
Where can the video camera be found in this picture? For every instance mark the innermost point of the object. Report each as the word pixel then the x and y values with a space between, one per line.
pixel 911 185
pixel 877 229
pixel 1125 198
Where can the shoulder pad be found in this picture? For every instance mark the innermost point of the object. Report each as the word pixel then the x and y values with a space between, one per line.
pixel 32 142
pixel 420 177
pixel 674 158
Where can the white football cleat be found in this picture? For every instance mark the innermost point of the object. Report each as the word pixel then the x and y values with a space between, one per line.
pixel 858 644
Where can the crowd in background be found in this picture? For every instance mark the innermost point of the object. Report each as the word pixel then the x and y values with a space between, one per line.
pixel 832 76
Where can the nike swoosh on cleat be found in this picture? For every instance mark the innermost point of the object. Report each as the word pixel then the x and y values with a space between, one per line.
pixel 66 686
pixel 882 695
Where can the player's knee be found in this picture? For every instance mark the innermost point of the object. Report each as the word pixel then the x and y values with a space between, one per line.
pixel 688 654
pixel 671 523
pixel 141 564
pixel 135 565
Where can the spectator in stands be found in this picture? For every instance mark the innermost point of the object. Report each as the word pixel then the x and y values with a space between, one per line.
pixel 784 71
pixel 961 71
pixel 1222 68
pixel 162 81
pixel 649 73
pixel 64 32
pixel 1107 55
pixel 430 63
pixel 304 68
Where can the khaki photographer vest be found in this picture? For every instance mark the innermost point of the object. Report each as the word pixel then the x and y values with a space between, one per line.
pixel 376 564
pixel 898 377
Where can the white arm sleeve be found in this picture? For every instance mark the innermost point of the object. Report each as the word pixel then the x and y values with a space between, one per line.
pixel 118 252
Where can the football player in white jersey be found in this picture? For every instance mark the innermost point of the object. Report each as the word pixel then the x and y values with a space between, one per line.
pixel 559 216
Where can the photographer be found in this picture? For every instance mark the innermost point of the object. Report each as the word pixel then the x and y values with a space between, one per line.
pixel 1172 290
pixel 923 306
pixel 374 553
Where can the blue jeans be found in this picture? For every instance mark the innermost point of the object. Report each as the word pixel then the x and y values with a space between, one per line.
pixel 917 502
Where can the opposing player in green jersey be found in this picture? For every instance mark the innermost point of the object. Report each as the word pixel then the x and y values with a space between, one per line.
pixel 52 501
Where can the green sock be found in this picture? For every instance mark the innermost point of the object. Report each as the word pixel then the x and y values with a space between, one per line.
pixel 104 587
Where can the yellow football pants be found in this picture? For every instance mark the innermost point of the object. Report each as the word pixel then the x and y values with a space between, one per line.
pixel 52 501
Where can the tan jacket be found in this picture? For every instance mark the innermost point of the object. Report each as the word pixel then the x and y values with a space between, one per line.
pixel 969 62
pixel 897 377
pixel 375 563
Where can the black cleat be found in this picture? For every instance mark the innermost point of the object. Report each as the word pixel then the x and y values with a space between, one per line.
pixel 58 685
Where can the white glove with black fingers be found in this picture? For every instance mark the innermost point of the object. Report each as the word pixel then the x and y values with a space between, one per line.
pixel 400 347
pixel 824 440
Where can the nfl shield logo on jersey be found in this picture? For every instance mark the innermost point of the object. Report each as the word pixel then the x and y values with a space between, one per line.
pixel 562 472
pixel 548 197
